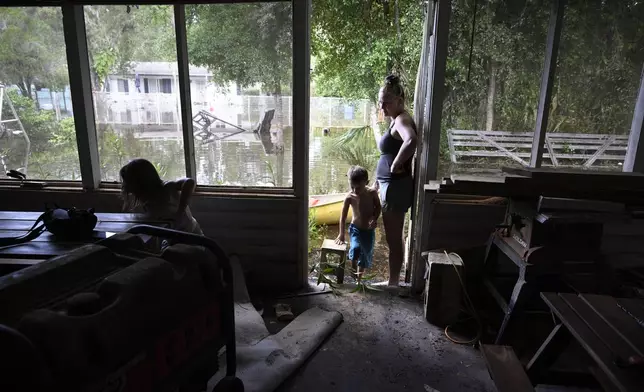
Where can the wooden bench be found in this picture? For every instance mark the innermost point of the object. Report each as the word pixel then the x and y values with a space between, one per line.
pixel 561 149
pixel 506 369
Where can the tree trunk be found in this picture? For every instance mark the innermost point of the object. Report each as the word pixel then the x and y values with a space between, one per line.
pixel 279 105
pixel 279 170
pixel 491 93
pixel 25 88
pixel 65 100
pixel 397 22
pixel 54 103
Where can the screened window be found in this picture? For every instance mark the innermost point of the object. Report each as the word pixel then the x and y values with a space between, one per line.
pixel 37 135
pixel 596 82
pixel 141 42
pixel 493 82
pixel 242 139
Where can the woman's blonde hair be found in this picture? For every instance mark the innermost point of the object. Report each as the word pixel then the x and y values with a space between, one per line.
pixel 393 87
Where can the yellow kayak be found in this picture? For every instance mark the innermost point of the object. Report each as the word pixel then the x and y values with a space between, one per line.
pixel 328 208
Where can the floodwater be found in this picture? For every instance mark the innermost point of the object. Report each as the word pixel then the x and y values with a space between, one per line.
pixel 239 161
pixel 242 161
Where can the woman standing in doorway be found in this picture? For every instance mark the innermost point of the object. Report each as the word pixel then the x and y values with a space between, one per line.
pixel 395 183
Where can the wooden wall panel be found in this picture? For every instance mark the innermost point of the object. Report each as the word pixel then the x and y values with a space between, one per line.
pixel 458 226
pixel 623 243
pixel 263 231
pixel 454 226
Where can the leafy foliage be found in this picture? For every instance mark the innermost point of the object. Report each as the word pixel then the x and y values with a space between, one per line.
pixel 356 43
pixel 321 273
pixel 27 36
pixel 40 125
pixel 316 232
pixel 599 65
pixel 116 38
pixel 104 61
pixel 53 152
pixel 244 43
pixel 355 147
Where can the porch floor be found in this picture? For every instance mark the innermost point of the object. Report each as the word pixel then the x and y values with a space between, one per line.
pixel 384 344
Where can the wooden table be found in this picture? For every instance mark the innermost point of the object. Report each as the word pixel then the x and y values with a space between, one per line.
pixel 14 224
pixel 610 330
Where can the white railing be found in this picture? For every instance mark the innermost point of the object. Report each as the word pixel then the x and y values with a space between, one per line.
pixel 561 149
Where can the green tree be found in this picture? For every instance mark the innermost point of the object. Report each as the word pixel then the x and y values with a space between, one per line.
pixel 247 44
pixel 600 64
pixel 499 88
pixel 40 125
pixel 357 43
pixel 116 38
pixel 31 47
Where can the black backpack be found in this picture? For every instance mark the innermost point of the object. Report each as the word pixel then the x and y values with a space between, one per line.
pixel 63 223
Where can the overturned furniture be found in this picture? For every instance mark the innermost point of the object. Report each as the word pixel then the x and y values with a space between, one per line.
pixel 203 122
pixel 113 316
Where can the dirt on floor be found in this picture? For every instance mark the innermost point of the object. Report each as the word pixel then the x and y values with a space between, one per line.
pixel 384 344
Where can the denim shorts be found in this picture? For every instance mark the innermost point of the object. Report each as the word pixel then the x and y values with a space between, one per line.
pixel 397 194
pixel 361 245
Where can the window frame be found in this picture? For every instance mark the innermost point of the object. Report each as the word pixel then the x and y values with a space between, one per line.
pixel 125 84
pixel 82 99
pixel 163 84
pixel 431 133
pixel 84 117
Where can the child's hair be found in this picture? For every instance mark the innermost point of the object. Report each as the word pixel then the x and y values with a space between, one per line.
pixel 140 183
pixel 358 174
pixel 394 87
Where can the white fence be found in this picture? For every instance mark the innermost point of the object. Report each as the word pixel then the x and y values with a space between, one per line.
pixel 243 110
pixel 561 149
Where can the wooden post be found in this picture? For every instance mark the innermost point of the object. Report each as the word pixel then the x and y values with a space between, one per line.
pixel 430 134
pixel 301 99
pixel 422 77
pixel 420 100
pixel 634 161
pixel 80 85
pixel 434 105
pixel 184 90
pixel 547 80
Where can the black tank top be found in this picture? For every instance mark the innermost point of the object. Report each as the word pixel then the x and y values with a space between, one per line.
pixel 389 147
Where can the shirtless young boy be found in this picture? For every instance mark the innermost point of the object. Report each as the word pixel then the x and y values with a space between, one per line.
pixel 365 205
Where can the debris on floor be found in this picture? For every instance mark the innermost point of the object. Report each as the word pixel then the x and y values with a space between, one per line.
pixel 264 360
pixel 383 345
pixel 283 312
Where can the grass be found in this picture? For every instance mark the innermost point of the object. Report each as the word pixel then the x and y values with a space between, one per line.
pixel 316 233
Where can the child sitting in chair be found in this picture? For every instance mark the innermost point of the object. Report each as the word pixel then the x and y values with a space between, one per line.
pixel 365 205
